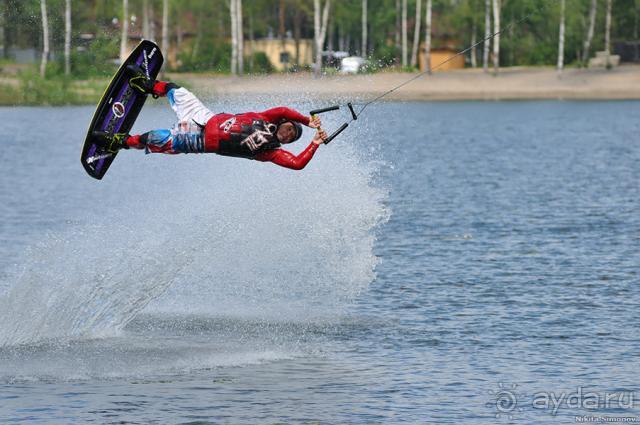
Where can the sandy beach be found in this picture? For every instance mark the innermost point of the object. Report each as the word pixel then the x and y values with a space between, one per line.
pixel 469 84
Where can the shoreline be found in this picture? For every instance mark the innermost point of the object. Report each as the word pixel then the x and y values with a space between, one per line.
pixel 517 83
pixel 622 83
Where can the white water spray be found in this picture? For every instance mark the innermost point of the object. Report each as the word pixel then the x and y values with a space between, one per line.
pixel 206 235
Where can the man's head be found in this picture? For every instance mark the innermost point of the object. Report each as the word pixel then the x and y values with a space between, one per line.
pixel 288 131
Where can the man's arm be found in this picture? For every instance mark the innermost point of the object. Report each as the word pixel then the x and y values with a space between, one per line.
pixel 282 113
pixel 286 159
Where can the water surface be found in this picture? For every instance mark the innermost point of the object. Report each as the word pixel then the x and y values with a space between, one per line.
pixel 441 258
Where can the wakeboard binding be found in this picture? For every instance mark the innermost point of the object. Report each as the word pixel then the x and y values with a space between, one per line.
pixel 139 80
pixel 111 142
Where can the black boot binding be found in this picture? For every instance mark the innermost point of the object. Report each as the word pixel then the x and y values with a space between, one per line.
pixel 139 80
pixel 111 142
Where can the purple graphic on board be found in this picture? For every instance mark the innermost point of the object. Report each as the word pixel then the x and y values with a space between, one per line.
pixel 118 110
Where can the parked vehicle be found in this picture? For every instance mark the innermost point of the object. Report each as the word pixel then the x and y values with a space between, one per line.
pixel 352 65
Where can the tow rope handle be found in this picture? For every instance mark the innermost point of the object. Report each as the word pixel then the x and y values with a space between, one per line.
pixel 342 128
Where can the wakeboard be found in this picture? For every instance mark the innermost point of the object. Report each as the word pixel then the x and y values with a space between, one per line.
pixel 119 107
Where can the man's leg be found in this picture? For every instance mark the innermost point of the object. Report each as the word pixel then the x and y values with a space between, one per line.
pixel 182 138
pixel 153 141
pixel 156 141
pixel 186 136
pixel 186 105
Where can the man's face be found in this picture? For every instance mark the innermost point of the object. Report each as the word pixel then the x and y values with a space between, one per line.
pixel 286 133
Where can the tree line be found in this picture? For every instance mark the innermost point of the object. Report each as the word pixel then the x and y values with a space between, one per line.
pixel 211 34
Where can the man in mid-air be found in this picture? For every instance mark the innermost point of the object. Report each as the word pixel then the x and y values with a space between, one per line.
pixel 252 135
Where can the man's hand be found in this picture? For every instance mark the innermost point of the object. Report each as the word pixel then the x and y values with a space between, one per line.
pixel 314 122
pixel 320 137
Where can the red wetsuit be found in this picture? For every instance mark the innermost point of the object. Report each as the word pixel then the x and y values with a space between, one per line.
pixel 224 134
pixel 249 135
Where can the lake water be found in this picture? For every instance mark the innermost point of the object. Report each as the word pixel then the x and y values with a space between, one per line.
pixel 440 263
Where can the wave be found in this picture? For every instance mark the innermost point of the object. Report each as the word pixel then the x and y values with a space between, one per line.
pixel 203 235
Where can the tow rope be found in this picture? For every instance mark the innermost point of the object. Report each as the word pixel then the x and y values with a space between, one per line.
pixel 355 115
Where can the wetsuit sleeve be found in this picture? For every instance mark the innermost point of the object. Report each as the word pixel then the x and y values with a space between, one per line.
pixel 287 159
pixel 282 113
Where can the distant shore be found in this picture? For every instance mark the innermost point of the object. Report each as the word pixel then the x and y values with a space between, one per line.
pixel 525 83
pixel 518 83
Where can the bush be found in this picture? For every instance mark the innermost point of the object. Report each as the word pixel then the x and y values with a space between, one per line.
pixel 259 63
pixel 208 57
pixel 57 90
pixel 96 61
pixel 217 57
pixel 10 95
pixel 37 90
pixel 384 57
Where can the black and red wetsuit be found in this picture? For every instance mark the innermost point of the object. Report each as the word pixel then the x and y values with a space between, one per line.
pixel 231 135
pixel 250 135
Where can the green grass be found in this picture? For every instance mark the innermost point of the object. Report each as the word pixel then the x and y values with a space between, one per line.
pixel 9 95
pixel 31 89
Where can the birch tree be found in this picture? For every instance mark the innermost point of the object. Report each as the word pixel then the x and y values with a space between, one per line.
pixel 125 30
pixel 404 34
pixel 607 34
pixel 234 36
pixel 45 38
pixel 3 24
pixel 427 37
pixel 590 31
pixel 320 30
pixel 165 26
pixel 487 34
pixel 474 40
pixel 416 34
pixel 561 37
pixel 496 39
pixel 397 36
pixel 145 20
pixel 152 23
pixel 67 38
pixel 363 52
pixel 240 37
pixel 297 34
pixel 635 30
pixel 281 23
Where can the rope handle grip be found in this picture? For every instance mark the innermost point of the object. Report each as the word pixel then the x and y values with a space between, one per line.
pixel 342 127
pixel 323 110
pixel 336 133
pixel 335 108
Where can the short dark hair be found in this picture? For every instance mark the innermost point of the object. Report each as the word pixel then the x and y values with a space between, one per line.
pixel 296 126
